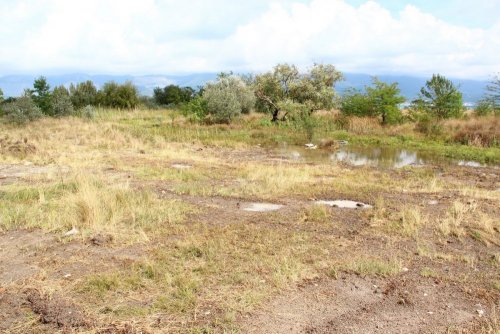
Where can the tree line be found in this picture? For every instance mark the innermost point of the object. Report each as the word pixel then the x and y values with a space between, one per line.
pixel 284 93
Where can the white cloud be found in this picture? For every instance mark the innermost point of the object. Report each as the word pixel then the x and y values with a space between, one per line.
pixel 150 36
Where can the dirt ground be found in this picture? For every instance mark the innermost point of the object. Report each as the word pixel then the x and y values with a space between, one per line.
pixel 448 289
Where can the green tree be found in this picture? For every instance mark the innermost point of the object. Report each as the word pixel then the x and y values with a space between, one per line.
pixel 1 96
pixel 83 94
pixel 61 102
pixel 113 95
pixel 42 95
pixel 314 89
pixel 354 102
pixel 440 98
pixel 173 95
pixel 385 100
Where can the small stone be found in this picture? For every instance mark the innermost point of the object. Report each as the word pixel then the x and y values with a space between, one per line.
pixel 480 312
pixel 405 269
pixel 432 202
pixel 73 231
pixel 67 275
pixel 430 312
pixel 207 312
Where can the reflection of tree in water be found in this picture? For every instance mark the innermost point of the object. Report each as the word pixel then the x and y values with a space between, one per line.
pixel 378 156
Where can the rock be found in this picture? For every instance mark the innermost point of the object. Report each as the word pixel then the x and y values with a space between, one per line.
pixel 311 146
pixel 432 202
pixel 72 232
pixel 180 166
pixel 342 142
pixel 480 312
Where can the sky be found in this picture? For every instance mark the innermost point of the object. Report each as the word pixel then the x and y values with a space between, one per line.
pixel 458 38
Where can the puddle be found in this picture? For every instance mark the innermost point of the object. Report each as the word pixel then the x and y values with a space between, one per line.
pixel 261 207
pixel 345 204
pixel 180 166
pixel 386 157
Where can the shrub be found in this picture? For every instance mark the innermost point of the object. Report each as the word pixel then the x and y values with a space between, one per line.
pixel 355 103
pixel 22 110
pixel 227 98
pixel 482 132
pixel 83 94
pixel 61 102
pixel 173 95
pixel 196 110
pixel 124 96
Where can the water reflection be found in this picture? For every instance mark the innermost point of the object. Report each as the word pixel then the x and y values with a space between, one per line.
pixel 369 156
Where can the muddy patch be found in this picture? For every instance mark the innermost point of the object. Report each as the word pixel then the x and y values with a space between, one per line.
pixel 260 207
pixel 344 204
pixel 56 311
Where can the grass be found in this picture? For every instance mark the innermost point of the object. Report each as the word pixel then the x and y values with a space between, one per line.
pixel 112 176
pixel 92 205
pixel 368 266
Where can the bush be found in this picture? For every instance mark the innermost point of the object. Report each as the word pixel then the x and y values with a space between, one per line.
pixel 227 98
pixel 196 110
pixel 355 103
pixel 173 95
pixel 83 94
pixel 114 95
pixel 61 102
pixel 482 132
pixel 22 110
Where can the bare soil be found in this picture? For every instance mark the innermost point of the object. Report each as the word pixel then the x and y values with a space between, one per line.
pixel 459 299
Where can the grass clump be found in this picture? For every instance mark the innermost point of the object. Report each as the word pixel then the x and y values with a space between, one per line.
pixel 91 205
pixel 368 266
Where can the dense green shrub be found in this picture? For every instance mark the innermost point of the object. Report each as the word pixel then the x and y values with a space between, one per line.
pixel 83 94
pixel 61 102
pixel 113 95
pixel 356 103
pixel 173 95
pixel 22 110
pixel 196 110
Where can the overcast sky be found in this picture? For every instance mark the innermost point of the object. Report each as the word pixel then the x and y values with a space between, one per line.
pixel 459 38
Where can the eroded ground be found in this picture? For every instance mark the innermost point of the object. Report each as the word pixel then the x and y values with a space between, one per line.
pixel 157 248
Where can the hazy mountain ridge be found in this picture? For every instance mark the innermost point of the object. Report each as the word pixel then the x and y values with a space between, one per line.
pixel 13 85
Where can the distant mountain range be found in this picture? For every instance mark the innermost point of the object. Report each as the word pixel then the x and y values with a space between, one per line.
pixel 13 85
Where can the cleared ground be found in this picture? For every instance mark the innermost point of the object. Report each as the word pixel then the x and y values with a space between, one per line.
pixel 161 242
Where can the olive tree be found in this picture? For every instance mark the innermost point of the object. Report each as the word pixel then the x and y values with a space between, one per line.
pixel 440 98
pixel 22 110
pixel 286 86
pixel 227 98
